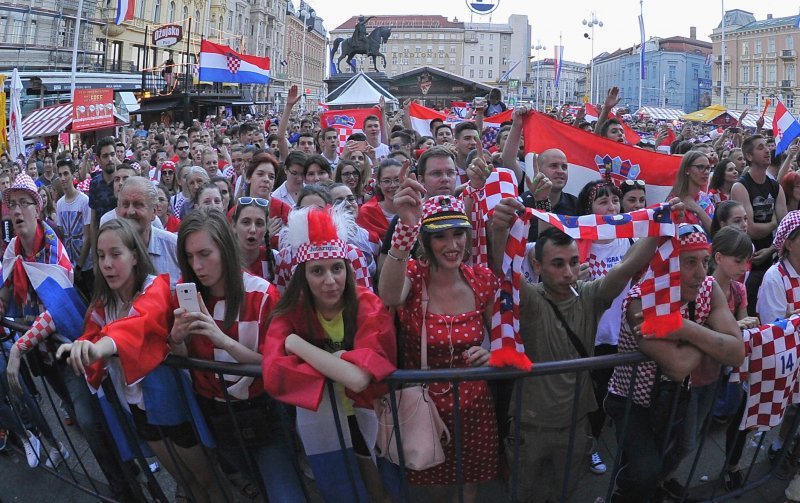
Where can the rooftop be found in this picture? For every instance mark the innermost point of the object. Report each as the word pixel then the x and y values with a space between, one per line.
pixel 400 21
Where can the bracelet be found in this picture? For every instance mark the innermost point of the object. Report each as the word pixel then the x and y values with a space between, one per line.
pixel 398 259
pixel 404 236
pixel 544 205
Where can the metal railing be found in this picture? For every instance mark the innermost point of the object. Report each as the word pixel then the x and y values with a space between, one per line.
pixel 157 488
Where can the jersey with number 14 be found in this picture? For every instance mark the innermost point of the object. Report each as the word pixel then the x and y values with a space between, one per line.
pixel 771 370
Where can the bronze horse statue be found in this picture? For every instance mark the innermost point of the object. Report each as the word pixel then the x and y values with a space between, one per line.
pixel 350 48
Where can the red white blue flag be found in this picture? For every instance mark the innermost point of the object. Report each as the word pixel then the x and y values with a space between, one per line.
pixel 220 63
pixel 785 128
pixel 124 11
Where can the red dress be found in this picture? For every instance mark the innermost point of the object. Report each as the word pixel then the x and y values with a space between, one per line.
pixel 452 335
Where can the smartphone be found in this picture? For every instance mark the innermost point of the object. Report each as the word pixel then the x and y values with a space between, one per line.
pixel 187 297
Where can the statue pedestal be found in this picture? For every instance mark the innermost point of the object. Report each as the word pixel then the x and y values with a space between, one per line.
pixel 334 81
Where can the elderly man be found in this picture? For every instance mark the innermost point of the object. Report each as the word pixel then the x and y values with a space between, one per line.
pixel 137 203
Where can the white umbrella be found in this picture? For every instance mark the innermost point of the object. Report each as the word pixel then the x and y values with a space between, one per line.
pixel 16 145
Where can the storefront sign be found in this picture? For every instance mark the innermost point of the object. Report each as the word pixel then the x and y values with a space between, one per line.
pixel 167 35
pixel 92 109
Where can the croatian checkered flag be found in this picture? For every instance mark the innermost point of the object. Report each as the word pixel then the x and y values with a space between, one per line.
pixel 500 184
pixel 661 291
pixel 506 344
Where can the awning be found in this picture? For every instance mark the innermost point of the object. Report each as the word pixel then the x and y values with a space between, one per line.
pixel 751 118
pixel 158 106
pixel 47 121
pixel 661 114
pixel 707 114
pixel 129 99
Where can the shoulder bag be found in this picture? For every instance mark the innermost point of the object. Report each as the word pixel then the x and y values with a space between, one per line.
pixel 421 428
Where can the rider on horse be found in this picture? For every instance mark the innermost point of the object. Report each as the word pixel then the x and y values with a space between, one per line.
pixel 360 33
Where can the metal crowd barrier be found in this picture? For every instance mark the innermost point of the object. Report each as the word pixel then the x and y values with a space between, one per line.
pixel 151 488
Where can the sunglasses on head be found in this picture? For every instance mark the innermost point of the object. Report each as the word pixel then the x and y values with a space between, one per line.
pixel 634 183
pixel 686 229
pixel 258 201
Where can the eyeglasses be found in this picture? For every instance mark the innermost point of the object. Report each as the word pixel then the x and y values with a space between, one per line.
pixel 349 199
pixel 390 181
pixel 702 167
pixel 167 172
pixel 12 205
pixel 634 183
pixel 246 201
pixel 351 174
pixel 396 146
pixel 186 147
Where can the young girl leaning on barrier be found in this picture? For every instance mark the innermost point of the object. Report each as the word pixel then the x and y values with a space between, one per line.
pixel 231 327
pixel 129 317
pixel 327 328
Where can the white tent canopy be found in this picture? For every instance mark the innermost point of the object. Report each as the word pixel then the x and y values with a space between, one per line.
pixel 661 114
pixel 359 90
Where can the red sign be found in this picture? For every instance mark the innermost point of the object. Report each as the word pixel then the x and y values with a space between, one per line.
pixel 167 35
pixel 92 109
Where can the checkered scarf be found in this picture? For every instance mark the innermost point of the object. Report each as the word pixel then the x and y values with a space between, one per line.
pixel 501 183
pixel 506 344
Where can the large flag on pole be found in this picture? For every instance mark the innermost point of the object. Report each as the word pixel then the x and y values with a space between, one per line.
pixel 785 128
pixel 220 63
pixel 588 154
pixel 558 63
pixel 124 11
pixel 16 145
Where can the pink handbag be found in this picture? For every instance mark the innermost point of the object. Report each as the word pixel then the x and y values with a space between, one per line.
pixel 421 428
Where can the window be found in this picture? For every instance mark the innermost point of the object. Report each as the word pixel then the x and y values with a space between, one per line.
pixel 140 9
pixel 745 99
pixel 758 74
pixel 772 73
pixel 673 71
pixel 171 12
pixel 3 25
pixel 789 41
pixel 441 36
pixel 745 48
pixel 406 35
pixel 770 45
pixel 491 37
pixel 418 35
pixel 790 72
pixel 32 32
pixel 789 100
pixel 758 47
pixel 490 74
pixel 116 56
pixel 185 13
pixel 230 20
pixel 481 60
pixel 16 33
pixel 745 74
pixel 490 60
pixel 137 57
pixel 480 74
pixel 482 35
pixel 430 35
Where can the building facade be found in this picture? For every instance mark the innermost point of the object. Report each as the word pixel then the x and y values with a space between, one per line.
pixel 305 66
pixel 677 74
pixel 760 61
pixel 39 35
pixel 571 84
pixel 496 54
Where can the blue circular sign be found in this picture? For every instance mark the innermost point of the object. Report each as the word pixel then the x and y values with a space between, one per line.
pixel 482 7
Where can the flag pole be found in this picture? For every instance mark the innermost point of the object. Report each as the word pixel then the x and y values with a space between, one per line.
pixel 722 58
pixel 641 58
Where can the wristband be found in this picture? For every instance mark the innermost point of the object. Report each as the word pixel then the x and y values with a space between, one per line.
pixel 398 259
pixel 404 236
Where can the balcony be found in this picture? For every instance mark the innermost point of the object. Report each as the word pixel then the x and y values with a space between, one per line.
pixel 787 84
pixel 788 54
pixel 470 37
pixel 759 55
pixel 727 58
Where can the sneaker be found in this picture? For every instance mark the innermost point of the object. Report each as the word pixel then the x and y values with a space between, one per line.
pixel 733 479
pixel 3 439
pixel 596 464
pixel 32 447
pixel 56 456
pixel 673 488
pixel 792 491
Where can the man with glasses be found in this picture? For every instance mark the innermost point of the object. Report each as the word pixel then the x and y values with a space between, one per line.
pixel 401 141
pixel 181 150
pixel 765 204
pixel 293 168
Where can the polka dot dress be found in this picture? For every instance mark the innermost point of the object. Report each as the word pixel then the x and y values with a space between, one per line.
pixel 448 337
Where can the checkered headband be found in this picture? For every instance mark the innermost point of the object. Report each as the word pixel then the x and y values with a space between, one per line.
pixel 787 226
pixel 25 183
pixel 313 235
pixel 168 165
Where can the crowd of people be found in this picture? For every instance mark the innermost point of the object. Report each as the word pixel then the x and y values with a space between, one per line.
pixel 327 265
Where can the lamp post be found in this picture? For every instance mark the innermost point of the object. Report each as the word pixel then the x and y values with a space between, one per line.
pixel 591 23
pixel 304 14
pixel 538 47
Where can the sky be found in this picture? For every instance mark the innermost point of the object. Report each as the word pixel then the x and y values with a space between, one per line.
pixel 551 19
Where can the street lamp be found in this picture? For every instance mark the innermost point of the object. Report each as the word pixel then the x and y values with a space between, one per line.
pixel 538 47
pixel 591 23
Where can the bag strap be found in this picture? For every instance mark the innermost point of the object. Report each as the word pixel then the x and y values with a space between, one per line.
pixel 573 338
pixel 424 337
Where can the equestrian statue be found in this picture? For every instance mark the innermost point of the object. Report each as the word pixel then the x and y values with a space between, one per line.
pixel 361 43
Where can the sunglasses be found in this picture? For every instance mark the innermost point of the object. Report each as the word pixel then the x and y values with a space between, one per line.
pixel 247 200
pixel 167 172
pixel 634 183
pixel 686 229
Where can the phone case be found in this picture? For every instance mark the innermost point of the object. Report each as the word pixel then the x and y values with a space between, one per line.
pixel 187 297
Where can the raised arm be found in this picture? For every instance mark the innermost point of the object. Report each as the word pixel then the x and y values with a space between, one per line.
pixel 791 155
pixel 291 100
pixel 511 148
pixel 612 98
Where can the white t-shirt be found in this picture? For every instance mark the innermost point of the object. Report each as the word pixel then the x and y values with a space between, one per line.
pixel 382 151
pixel 72 217
pixel 602 257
